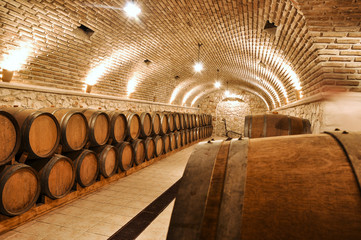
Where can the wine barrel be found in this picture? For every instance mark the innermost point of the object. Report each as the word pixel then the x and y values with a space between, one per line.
pixel 73 128
pixel 178 140
pixel 19 189
pixel 268 125
pixel 149 148
pixel 186 121
pixel 182 121
pixel 57 175
pixel 164 124
pixel 172 142
pixel 171 125
pixel 145 124
pixel 99 127
pixel 125 155
pixel 183 137
pixel 156 123
pixel 118 126
pixel 166 143
pixel 86 165
pixel 40 131
pixel 189 136
pixel 159 146
pixel 133 129
pixel 108 160
pixel 139 151
pixel 177 121
pixel 291 187
pixel 9 137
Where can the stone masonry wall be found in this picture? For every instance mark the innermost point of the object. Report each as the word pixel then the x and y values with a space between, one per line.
pixel 233 110
pixel 38 98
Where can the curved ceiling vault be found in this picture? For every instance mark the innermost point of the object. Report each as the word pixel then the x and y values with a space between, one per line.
pixel 316 46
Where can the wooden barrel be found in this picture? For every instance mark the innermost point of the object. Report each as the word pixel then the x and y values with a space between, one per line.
pixel 189 135
pixel 164 124
pixel 178 140
pixel 86 165
pixel 57 175
pixel 108 160
pixel 195 134
pixel 133 129
pixel 99 126
pixel 159 145
pixel 9 137
pixel 171 125
pixel 166 143
pixel 291 187
pixel 19 189
pixel 186 121
pixel 172 142
pixel 118 126
pixel 183 137
pixel 182 121
pixel 177 121
pixel 156 123
pixel 73 128
pixel 149 148
pixel 40 131
pixel 139 151
pixel 268 125
pixel 145 125
pixel 125 155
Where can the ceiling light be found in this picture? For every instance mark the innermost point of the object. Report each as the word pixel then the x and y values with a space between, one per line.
pixel 227 93
pixel 198 67
pixel 217 84
pixel 132 9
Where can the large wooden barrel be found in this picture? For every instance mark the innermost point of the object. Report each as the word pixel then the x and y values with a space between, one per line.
pixel 73 127
pixel 189 134
pixel 159 148
pixel 125 155
pixel 19 189
pixel 268 125
pixel 166 143
pixel 149 148
pixel 9 137
pixel 40 131
pixel 118 126
pixel 178 140
pixel 163 124
pixel 133 129
pixel 99 126
pixel 186 121
pixel 139 151
pixel 57 175
pixel 183 137
pixel 86 165
pixel 172 142
pixel 145 125
pixel 171 125
pixel 108 160
pixel 177 121
pixel 156 123
pixel 182 121
pixel 292 187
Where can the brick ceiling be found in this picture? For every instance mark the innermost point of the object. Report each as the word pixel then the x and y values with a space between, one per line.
pixel 316 46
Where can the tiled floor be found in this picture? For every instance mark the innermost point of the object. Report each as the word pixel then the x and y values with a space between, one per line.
pixel 102 213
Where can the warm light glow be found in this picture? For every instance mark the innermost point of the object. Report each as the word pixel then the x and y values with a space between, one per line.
pixel 217 84
pixel 132 10
pixel 17 57
pixel 188 94
pixel 132 83
pixel 227 93
pixel 95 74
pixel 198 67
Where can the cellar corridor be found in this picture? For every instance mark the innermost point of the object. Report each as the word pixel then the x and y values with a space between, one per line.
pixel 100 214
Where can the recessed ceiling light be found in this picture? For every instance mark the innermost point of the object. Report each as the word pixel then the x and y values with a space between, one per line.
pixel 217 84
pixel 132 9
pixel 198 67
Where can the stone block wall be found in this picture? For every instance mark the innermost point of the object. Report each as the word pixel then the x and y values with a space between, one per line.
pixel 232 109
pixel 38 97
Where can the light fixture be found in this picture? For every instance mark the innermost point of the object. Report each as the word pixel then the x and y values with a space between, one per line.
pixel 132 83
pixel 198 66
pixel 217 84
pixel 94 75
pixel 132 9
pixel 227 93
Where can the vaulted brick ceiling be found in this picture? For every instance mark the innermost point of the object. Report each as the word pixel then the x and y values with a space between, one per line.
pixel 316 46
